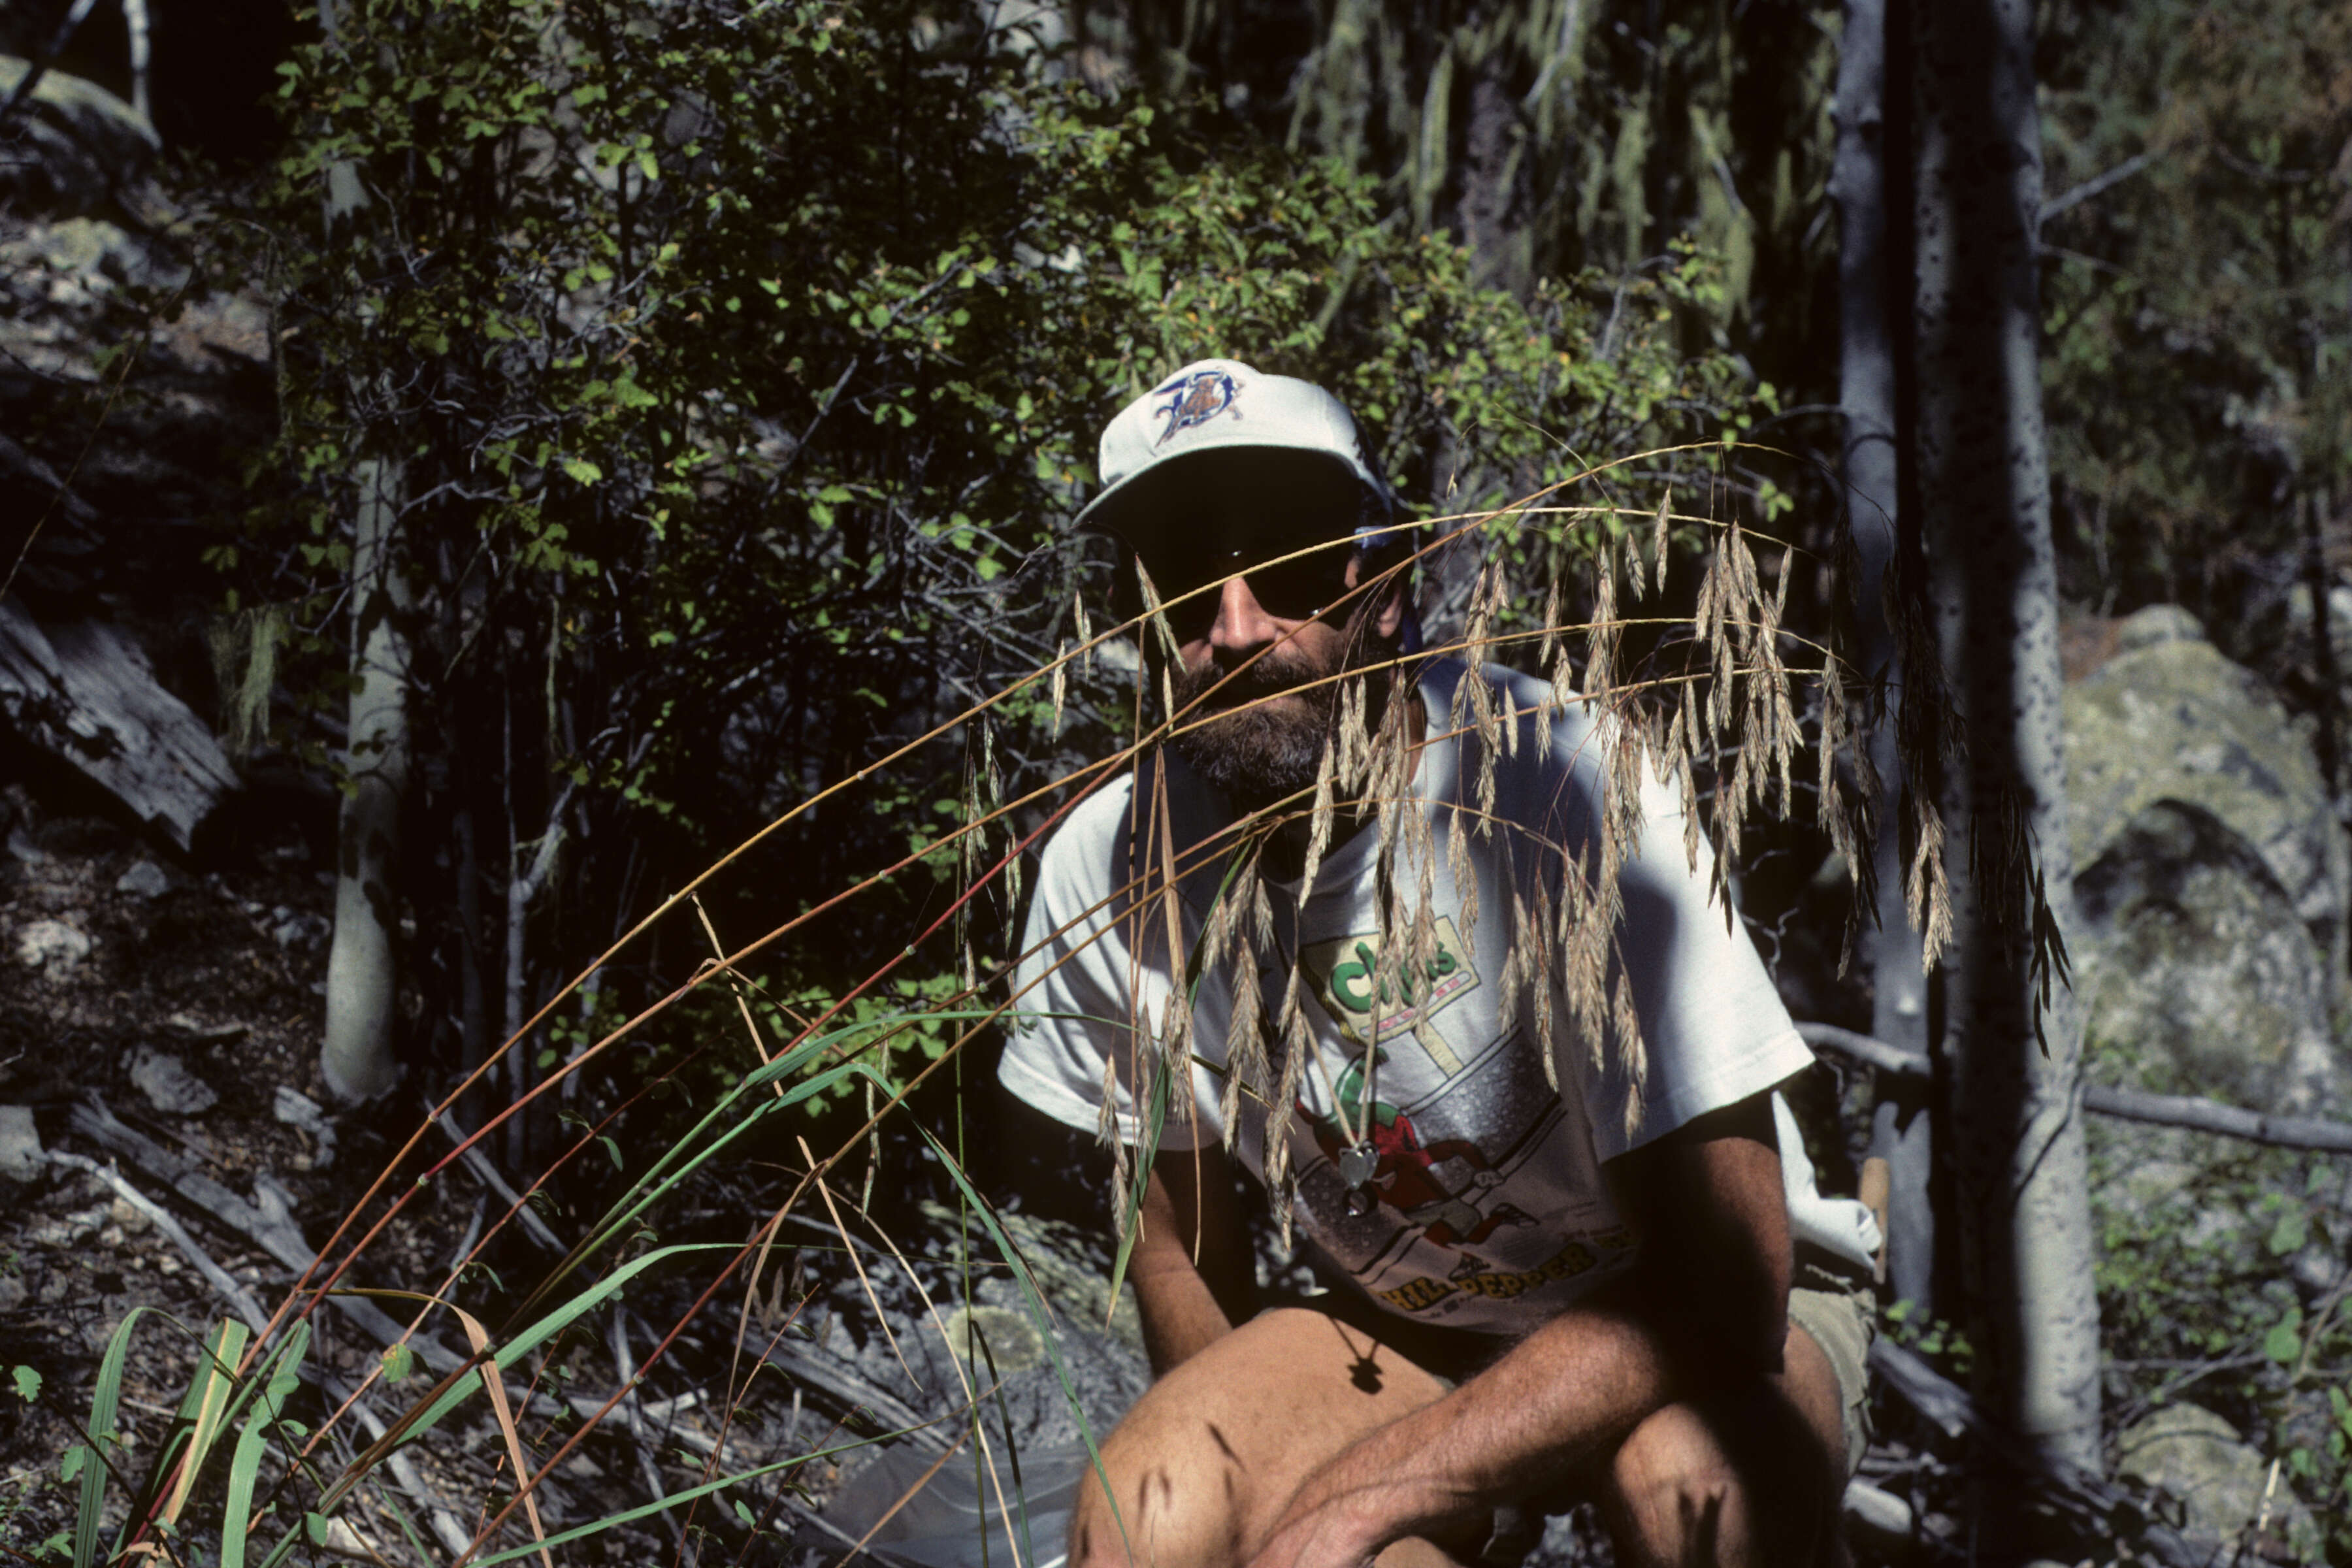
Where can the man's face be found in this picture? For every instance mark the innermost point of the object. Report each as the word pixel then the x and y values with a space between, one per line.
pixel 1255 663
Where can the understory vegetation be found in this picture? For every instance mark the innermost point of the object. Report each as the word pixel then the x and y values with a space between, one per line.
pixel 655 509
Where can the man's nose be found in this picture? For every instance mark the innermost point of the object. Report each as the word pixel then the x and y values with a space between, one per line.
pixel 1242 622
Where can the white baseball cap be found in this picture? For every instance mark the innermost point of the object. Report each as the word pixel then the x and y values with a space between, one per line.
pixel 1176 433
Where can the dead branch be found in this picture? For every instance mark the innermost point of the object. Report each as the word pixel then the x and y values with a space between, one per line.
pixel 270 1227
pixel 487 1172
pixel 2125 1104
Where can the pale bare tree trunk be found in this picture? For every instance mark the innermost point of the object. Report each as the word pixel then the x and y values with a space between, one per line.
pixel 134 22
pixel 1984 497
pixel 356 1055
pixel 1867 266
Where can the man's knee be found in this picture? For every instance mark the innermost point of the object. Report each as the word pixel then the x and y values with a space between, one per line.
pixel 1174 1500
pixel 1743 1485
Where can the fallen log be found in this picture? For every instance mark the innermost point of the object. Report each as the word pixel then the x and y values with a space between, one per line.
pixel 2125 1104
pixel 84 692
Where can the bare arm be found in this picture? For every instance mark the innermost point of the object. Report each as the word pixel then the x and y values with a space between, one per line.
pixel 1191 1212
pixel 1708 1303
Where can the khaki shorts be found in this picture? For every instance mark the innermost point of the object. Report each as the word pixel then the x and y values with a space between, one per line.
pixel 1842 1320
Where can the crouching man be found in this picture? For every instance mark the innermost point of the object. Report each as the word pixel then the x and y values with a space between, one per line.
pixel 1555 1266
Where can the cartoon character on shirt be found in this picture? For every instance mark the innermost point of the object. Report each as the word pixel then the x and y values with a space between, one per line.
pixel 1404 1174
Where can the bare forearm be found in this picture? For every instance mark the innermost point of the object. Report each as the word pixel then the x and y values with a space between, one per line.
pixel 1182 1317
pixel 1194 1278
pixel 1706 1305
pixel 1568 1394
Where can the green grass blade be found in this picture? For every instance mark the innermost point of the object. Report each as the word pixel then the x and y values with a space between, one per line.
pixel 681 1159
pixel 202 1414
pixel 105 1401
pixel 691 1494
pixel 277 1376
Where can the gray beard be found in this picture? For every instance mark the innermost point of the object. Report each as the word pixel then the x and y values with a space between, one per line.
pixel 1256 756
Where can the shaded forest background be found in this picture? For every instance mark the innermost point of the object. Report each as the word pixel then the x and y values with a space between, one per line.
pixel 546 444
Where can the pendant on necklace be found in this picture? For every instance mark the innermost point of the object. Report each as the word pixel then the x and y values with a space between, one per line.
pixel 1357 1163
pixel 1360 1202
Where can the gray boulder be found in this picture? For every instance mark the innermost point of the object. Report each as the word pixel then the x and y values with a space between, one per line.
pixel 22 1158
pixel 81 145
pixel 2197 969
pixel 2169 719
pixel 2226 1489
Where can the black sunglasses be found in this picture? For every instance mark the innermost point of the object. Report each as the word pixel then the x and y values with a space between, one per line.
pixel 1309 583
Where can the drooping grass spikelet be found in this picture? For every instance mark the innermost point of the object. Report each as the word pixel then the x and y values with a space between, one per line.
pixel 1929 899
pixel 1600 641
pixel 1628 1025
pixel 1246 1066
pixel 1107 1126
pixel 1319 824
pixel 1061 685
pixel 1550 624
pixel 1660 540
pixel 1156 615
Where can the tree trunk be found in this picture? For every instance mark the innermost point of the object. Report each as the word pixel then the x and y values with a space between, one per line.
pixel 2013 1032
pixel 356 1056
pixel 1867 266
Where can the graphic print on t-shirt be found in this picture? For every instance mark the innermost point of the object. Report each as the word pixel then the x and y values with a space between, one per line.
pixel 1405 1173
pixel 1460 1211
pixel 1368 1006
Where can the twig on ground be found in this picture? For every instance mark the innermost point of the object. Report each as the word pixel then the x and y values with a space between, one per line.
pixel 487 1172
pixel 225 1284
pixel 274 1232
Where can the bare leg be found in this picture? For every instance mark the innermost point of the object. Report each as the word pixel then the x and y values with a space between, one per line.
pixel 1205 1463
pixel 1751 1478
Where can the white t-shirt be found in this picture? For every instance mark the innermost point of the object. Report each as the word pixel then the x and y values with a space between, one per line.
pixel 1476 1200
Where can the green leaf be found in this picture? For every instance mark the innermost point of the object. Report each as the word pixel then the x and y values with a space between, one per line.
pixel 2293 1229
pixel 278 1377
pixel 580 469
pixel 27 1382
pixel 2283 1343
pixel 399 1361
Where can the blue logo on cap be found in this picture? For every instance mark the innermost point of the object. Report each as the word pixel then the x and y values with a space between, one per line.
pixel 1195 399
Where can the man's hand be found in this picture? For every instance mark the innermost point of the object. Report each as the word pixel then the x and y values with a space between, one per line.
pixel 1343 1518
pixel 1706 1305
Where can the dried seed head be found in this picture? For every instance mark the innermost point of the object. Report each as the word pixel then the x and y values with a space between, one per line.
pixel 1061 682
pixel 1319 824
pixel 1551 623
pixel 1244 1043
pixel 1633 1052
pixel 1659 538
